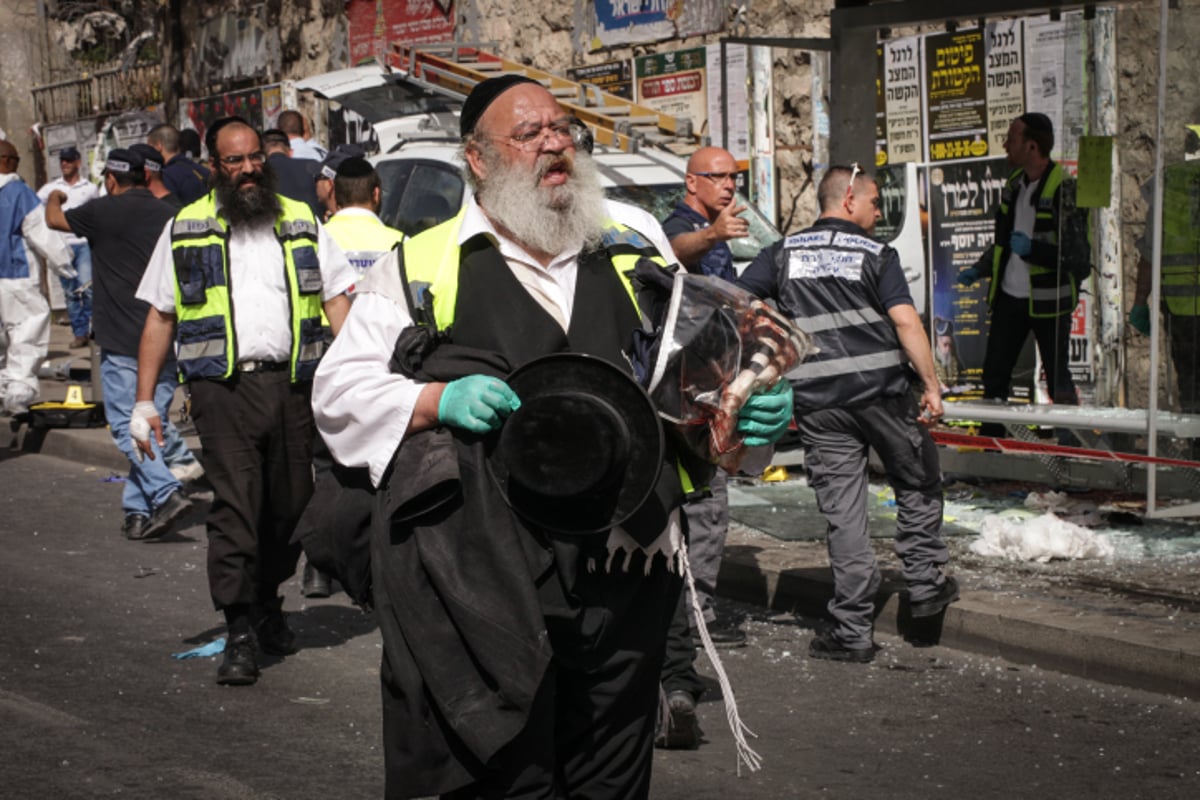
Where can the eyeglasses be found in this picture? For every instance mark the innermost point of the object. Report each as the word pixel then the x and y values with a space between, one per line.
pixel 255 159
pixel 533 138
pixel 718 177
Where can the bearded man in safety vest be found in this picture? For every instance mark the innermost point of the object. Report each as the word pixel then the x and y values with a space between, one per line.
pixel 238 280
pixel 1037 261
pixel 517 661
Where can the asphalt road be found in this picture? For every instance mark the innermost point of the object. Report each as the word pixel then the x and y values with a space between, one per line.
pixel 93 705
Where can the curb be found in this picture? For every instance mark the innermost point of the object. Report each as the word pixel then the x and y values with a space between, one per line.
pixel 1020 630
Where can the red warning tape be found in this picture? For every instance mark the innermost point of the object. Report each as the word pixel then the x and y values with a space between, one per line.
pixel 1017 446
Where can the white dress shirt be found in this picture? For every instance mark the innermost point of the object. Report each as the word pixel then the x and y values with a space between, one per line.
pixel 1016 273
pixel 361 408
pixel 258 286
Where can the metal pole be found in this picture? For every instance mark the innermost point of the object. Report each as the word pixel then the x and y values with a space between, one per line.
pixel 1156 257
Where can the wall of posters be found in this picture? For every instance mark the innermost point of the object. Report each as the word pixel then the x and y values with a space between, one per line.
pixel 375 25
pixel 674 83
pixel 957 96
pixel 251 104
pixel 902 99
pixel 613 77
pixel 1005 80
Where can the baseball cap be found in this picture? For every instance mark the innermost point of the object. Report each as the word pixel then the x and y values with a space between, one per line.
pixel 68 154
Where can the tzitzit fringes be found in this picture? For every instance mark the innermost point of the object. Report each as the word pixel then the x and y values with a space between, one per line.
pixel 745 754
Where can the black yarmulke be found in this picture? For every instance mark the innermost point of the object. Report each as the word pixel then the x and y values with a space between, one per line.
pixel 354 167
pixel 482 96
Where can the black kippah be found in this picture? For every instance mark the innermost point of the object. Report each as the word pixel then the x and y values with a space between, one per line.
pixel 354 167
pixel 482 96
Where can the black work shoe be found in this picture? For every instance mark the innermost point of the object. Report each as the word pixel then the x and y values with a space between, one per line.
pixel 239 667
pixel 274 636
pixel 681 730
pixel 135 526
pixel 174 507
pixel 947 593
pixel 727 638
pixel 315 583
pixel 827 646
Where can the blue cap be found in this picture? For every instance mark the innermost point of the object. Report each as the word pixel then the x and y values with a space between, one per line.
pixel 68 154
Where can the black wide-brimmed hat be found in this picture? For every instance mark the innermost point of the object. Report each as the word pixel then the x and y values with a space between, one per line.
pixel 584 450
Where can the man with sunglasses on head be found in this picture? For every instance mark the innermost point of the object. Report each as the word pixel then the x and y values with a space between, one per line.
pixel 238 280
pixel 1036 263
pixel 849 293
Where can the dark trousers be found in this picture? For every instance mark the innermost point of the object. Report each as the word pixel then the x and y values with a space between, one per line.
pixel 591 728
pixel 1010 327
pixel 256 430
pixel 836 443
pixel 1184 333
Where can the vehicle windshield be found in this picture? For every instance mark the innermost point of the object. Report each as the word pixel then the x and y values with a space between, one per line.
pixel 659 199
pixel 393 100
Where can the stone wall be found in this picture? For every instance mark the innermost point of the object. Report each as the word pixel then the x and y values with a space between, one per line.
pixel 22 64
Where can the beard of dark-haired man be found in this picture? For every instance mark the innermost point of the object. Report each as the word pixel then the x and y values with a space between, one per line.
pixel 249 198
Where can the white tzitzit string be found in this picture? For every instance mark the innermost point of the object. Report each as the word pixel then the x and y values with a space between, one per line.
pixel 745 753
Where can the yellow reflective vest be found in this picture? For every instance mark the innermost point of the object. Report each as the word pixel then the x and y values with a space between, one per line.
pixel 205 336
pixel 1181 240
pixel 1052 287
pixel 363 236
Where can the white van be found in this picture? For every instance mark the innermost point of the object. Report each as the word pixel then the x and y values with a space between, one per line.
pixel 415 136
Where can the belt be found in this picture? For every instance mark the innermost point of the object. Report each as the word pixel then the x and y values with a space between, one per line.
pixel 261 366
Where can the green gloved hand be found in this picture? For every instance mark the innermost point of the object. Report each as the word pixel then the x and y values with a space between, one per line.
pixel 477 403
pixel 765 416
pixel 1139 318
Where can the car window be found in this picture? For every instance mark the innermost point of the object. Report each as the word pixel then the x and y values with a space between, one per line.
pixel 660 199
pixel 418 194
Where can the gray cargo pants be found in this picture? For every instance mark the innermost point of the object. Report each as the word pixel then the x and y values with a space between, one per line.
pixel 836 442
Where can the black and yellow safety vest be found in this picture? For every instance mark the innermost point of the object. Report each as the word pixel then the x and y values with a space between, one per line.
pixel 207 343
pixel 1181 240
pixel 1053 290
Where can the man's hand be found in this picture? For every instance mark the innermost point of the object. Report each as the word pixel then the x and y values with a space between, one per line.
pixel 728 225
pixel 477 403
pixel 57 196
pixel 969 276
pixel 764 417
pixel 142 421
pixel 932 409
pixel 1139 318
pixel 1020 244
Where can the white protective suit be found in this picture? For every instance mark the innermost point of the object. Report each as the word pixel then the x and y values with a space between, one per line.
pixel 24 313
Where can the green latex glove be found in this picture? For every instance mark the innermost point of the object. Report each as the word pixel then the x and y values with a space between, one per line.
pixel 477 403
pixel 765 416
pixel 1139 318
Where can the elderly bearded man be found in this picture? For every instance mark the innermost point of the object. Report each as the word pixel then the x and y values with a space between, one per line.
pixel 517 662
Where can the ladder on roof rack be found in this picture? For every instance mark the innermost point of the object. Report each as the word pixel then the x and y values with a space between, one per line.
pixel 454 68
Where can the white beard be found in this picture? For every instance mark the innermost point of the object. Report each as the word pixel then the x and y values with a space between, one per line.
pixel 546 219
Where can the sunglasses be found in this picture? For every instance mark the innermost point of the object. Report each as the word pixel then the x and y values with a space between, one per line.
pixel 855 171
